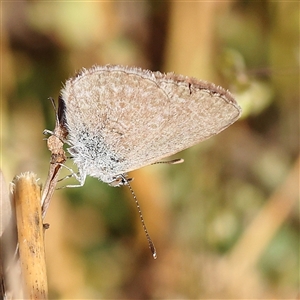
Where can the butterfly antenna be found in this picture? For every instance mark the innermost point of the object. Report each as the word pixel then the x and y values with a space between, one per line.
pixel 151 244
pixel 55 109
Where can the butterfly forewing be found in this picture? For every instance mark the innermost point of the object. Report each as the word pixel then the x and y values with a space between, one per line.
pixel 121 118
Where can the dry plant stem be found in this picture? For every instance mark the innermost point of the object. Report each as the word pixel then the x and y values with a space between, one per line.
pixel 55 145
pixel 58 157
pixel 263 228
pixel 27 199
pixel 11 286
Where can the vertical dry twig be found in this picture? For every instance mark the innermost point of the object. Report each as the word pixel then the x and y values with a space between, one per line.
pixel 22 255
pixel 55 144
pixel 10 272
pixel 27 199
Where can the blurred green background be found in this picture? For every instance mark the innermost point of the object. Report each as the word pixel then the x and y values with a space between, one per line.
pixel 226 222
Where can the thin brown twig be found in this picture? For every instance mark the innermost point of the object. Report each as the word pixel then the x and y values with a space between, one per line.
pixel 55 144
pixel 245 255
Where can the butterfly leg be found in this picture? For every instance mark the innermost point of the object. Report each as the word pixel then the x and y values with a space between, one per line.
pixel 120 180
pixel 78 176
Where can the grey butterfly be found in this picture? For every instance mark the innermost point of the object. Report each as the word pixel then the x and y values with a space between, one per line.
pixel 123 118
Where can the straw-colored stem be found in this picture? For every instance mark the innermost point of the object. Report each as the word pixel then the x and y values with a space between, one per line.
pixel 27 199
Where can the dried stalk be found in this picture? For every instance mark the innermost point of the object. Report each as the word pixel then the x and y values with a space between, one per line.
pixel 30 232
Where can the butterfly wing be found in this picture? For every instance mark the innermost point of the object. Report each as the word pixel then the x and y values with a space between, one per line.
pixel 120 119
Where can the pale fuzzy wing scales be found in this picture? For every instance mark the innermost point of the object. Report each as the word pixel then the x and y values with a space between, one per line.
pixel 108 105
pixel 137 117
pixel 191 115
pixel 197 112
